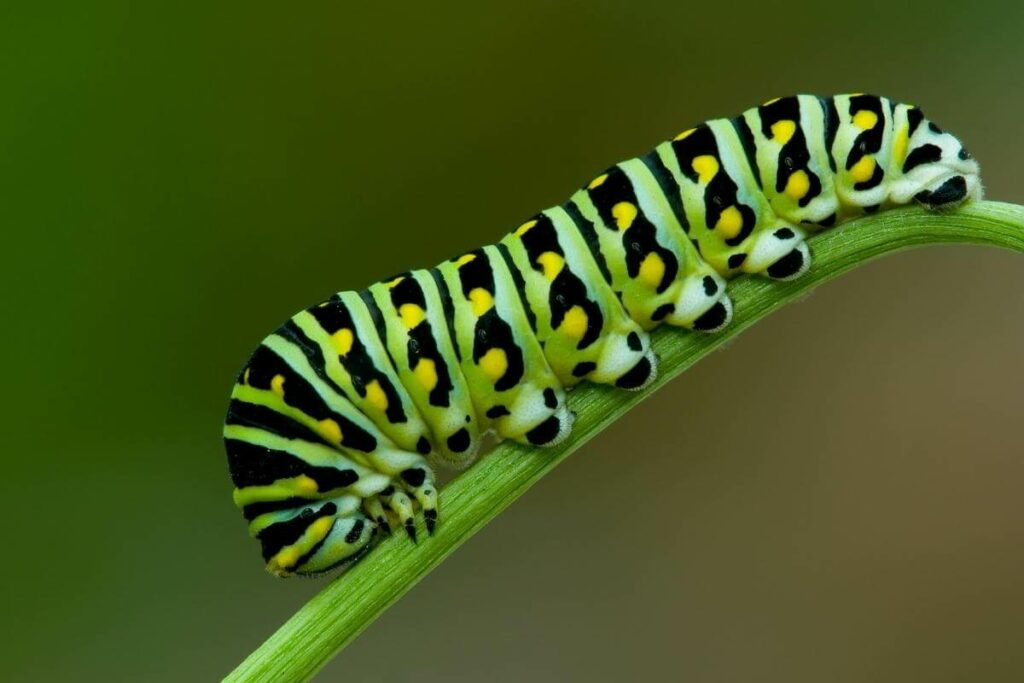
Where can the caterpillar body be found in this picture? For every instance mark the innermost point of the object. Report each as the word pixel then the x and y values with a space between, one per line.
pixel 338 418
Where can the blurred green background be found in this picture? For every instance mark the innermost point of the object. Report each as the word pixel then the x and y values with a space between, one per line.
pixel 834 497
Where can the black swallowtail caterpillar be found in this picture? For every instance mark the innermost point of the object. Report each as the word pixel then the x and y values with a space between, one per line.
pixel 337 418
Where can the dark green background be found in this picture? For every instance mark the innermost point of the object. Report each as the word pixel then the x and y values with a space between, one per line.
pixel 834 497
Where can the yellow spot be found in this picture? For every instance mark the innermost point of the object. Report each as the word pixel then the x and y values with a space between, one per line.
pixel 575 322
pixel 552 264
pixel 426 373
pixel 652 269
pixel 331 430
pixel 464 259
pixel 729 223
pixel 798 185
pixel 284 559
pixel 596 182
pixel 705 166
pixel 245 376
pixel 481 300
pixel 525 228
pixel 685 134
pixel 342 341
pixel 320 527
pixel 865 120
pixel 305 485
pixel 494 363
pixel 375 396
pixel 899 145
pixel 782 131
pixel 394 283
pixel 411 315
pixel 863 170
pixel 771 102
pixel 277 385
pixel 625 214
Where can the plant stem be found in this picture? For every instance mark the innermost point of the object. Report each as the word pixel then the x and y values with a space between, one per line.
pixel 347 605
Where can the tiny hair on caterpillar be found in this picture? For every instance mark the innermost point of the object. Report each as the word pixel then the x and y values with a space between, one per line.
pixel 337 421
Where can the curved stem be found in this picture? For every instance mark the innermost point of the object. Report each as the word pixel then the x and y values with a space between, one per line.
pixel 347 605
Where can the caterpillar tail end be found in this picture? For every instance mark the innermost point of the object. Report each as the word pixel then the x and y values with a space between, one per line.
pixel 950 192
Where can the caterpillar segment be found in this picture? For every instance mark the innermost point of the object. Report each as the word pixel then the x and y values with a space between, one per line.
pixel 583 327
pixel 734 228
pixel 930 166
pixel 339 336
pixel 285 390
pixel 415 329
pixel 339 417
pixel 512 387
pixel 659 273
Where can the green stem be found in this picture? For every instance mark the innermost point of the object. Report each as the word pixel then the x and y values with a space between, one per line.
pixel 348 604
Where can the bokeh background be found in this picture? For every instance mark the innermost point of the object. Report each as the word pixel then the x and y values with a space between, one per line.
pixel 836 496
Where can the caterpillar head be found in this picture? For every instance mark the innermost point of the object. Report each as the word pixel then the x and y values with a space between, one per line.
pixel 315 537
pixel 302 499
pixel 937 170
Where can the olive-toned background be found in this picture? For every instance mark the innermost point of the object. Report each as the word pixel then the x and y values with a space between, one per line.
pixel 836 496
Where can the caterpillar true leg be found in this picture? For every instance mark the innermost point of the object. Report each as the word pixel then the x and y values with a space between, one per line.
pixel 425 494
pixel 375 509
pixel 398 502
pixel 334 418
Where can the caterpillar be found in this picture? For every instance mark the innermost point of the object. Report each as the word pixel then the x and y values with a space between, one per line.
pixel 338 419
